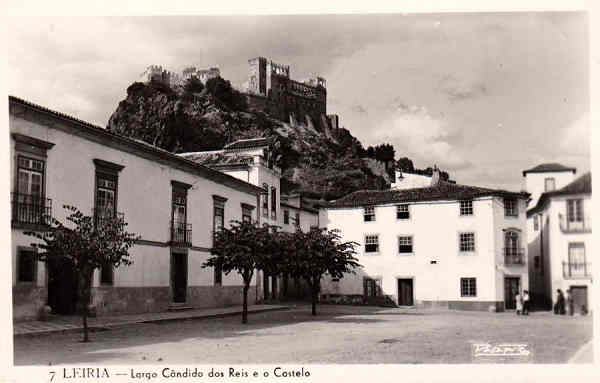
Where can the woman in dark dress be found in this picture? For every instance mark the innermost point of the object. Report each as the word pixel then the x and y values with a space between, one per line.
pixel 559 307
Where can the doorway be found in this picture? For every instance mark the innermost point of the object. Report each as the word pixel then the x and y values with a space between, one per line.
pixel 405 292
pixel 512 287
pixel 580 298
pixel 62 286
pixel 179 272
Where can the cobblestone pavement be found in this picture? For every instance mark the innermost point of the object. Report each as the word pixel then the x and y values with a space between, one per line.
pixel 73 323
pixel 339 334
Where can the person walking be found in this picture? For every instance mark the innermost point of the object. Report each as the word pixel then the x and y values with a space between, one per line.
pixel 525 302
pixel 559 306
pixel 519 303
pixel 570 303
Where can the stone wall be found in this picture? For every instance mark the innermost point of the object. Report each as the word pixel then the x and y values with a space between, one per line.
pixel 27 301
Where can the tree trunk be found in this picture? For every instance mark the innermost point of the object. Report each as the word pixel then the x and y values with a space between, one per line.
pixel 85 295
pixel 245 305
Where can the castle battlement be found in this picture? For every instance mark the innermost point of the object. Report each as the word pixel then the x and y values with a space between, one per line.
pixel 157 73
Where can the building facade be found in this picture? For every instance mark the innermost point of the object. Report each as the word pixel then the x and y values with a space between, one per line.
pixel 445 245
pixel 174 204
pixel 560 235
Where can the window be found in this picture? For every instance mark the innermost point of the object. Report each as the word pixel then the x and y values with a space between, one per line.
pixel 107 180
pixel 405 245
pixel 468 287
pixel 218 223
pixel 536 222
pixel 29 203
pixel 371 244
pixel 273 203
pixel 298 219
pixel 286 217
pixel 247 213
pixel 467 242
pixel 512 250
pixel 510 207
pixel 371 287
pixel 369 214
pixel 265 204
pixel 466 207
pixel 575 210
pixel 26 267
pixel 549 184
pixel 576 253
pixel 402 212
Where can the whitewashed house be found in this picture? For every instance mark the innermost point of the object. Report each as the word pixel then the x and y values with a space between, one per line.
pixel 448 245
pixel 173 203
pixel 559 229
pixel 251 160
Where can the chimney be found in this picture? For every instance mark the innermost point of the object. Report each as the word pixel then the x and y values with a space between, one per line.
pixel 435 177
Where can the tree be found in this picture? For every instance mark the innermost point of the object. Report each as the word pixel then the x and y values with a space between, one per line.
pixel 89 243
pixel 243 247
pixel 406 164
pixel 316 253
pixel 193 85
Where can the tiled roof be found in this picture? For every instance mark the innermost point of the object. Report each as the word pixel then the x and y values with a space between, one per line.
pixel 249 143
pixel 144 149
pixel 214 159
pixel 550 167
pixel 581 185
pixel 442 191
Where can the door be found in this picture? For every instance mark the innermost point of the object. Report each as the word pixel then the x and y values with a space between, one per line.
pixel 62 286
pixel 579 295
pixel 405 292
pixel 179 277
pixel 511 289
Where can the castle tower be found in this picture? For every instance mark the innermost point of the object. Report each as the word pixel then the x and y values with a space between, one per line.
pixel 257 76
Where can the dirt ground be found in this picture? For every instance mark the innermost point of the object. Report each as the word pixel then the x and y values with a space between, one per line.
pixel 339 334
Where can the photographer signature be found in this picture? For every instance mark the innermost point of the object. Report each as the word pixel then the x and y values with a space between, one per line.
pixel 504 349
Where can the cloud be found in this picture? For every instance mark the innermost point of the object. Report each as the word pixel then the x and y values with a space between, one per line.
pixel 576 137
pixel 418 135
pixel 457 90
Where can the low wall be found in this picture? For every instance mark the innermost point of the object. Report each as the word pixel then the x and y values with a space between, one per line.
pixel 28 300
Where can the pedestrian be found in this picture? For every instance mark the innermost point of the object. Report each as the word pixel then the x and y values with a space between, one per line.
pixel 559 306
pixel 519 303
pixel 525 302
pixel 570 304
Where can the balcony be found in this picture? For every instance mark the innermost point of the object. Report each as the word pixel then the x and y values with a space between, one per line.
pixel 30 210
pixel 577 270
pixel 584 225
pixel 514 256
pixel 181 233
pixel 102 215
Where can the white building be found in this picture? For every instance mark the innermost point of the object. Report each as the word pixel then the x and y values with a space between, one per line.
pixel 546 178
pixel 448 245
pixel 559 229
pixel 406 180
pixel 173 203
pixel 251 160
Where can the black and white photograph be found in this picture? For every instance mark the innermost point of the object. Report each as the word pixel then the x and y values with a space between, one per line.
pixel 252 196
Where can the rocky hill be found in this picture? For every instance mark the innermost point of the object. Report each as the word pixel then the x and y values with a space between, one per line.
pixel 317 160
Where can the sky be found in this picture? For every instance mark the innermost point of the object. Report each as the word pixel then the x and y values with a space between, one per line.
pixel 483 96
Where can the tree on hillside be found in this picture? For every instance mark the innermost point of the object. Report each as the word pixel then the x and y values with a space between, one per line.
pixel 406 164
pixel 193 85
pixel 87 243
pixel 315 253
pixel 222 90
pixel 243 247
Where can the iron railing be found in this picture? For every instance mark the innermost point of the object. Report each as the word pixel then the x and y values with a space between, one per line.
pixel 102 215
pixel 514 256
pixel 181 233
pixel 30 209
pixel 584 225
pixel 577 270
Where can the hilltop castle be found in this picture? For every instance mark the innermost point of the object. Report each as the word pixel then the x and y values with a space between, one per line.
pixel 156 73
pixel 269 89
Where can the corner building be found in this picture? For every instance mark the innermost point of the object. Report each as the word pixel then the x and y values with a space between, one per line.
pixel 445 245
pixel 174 204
